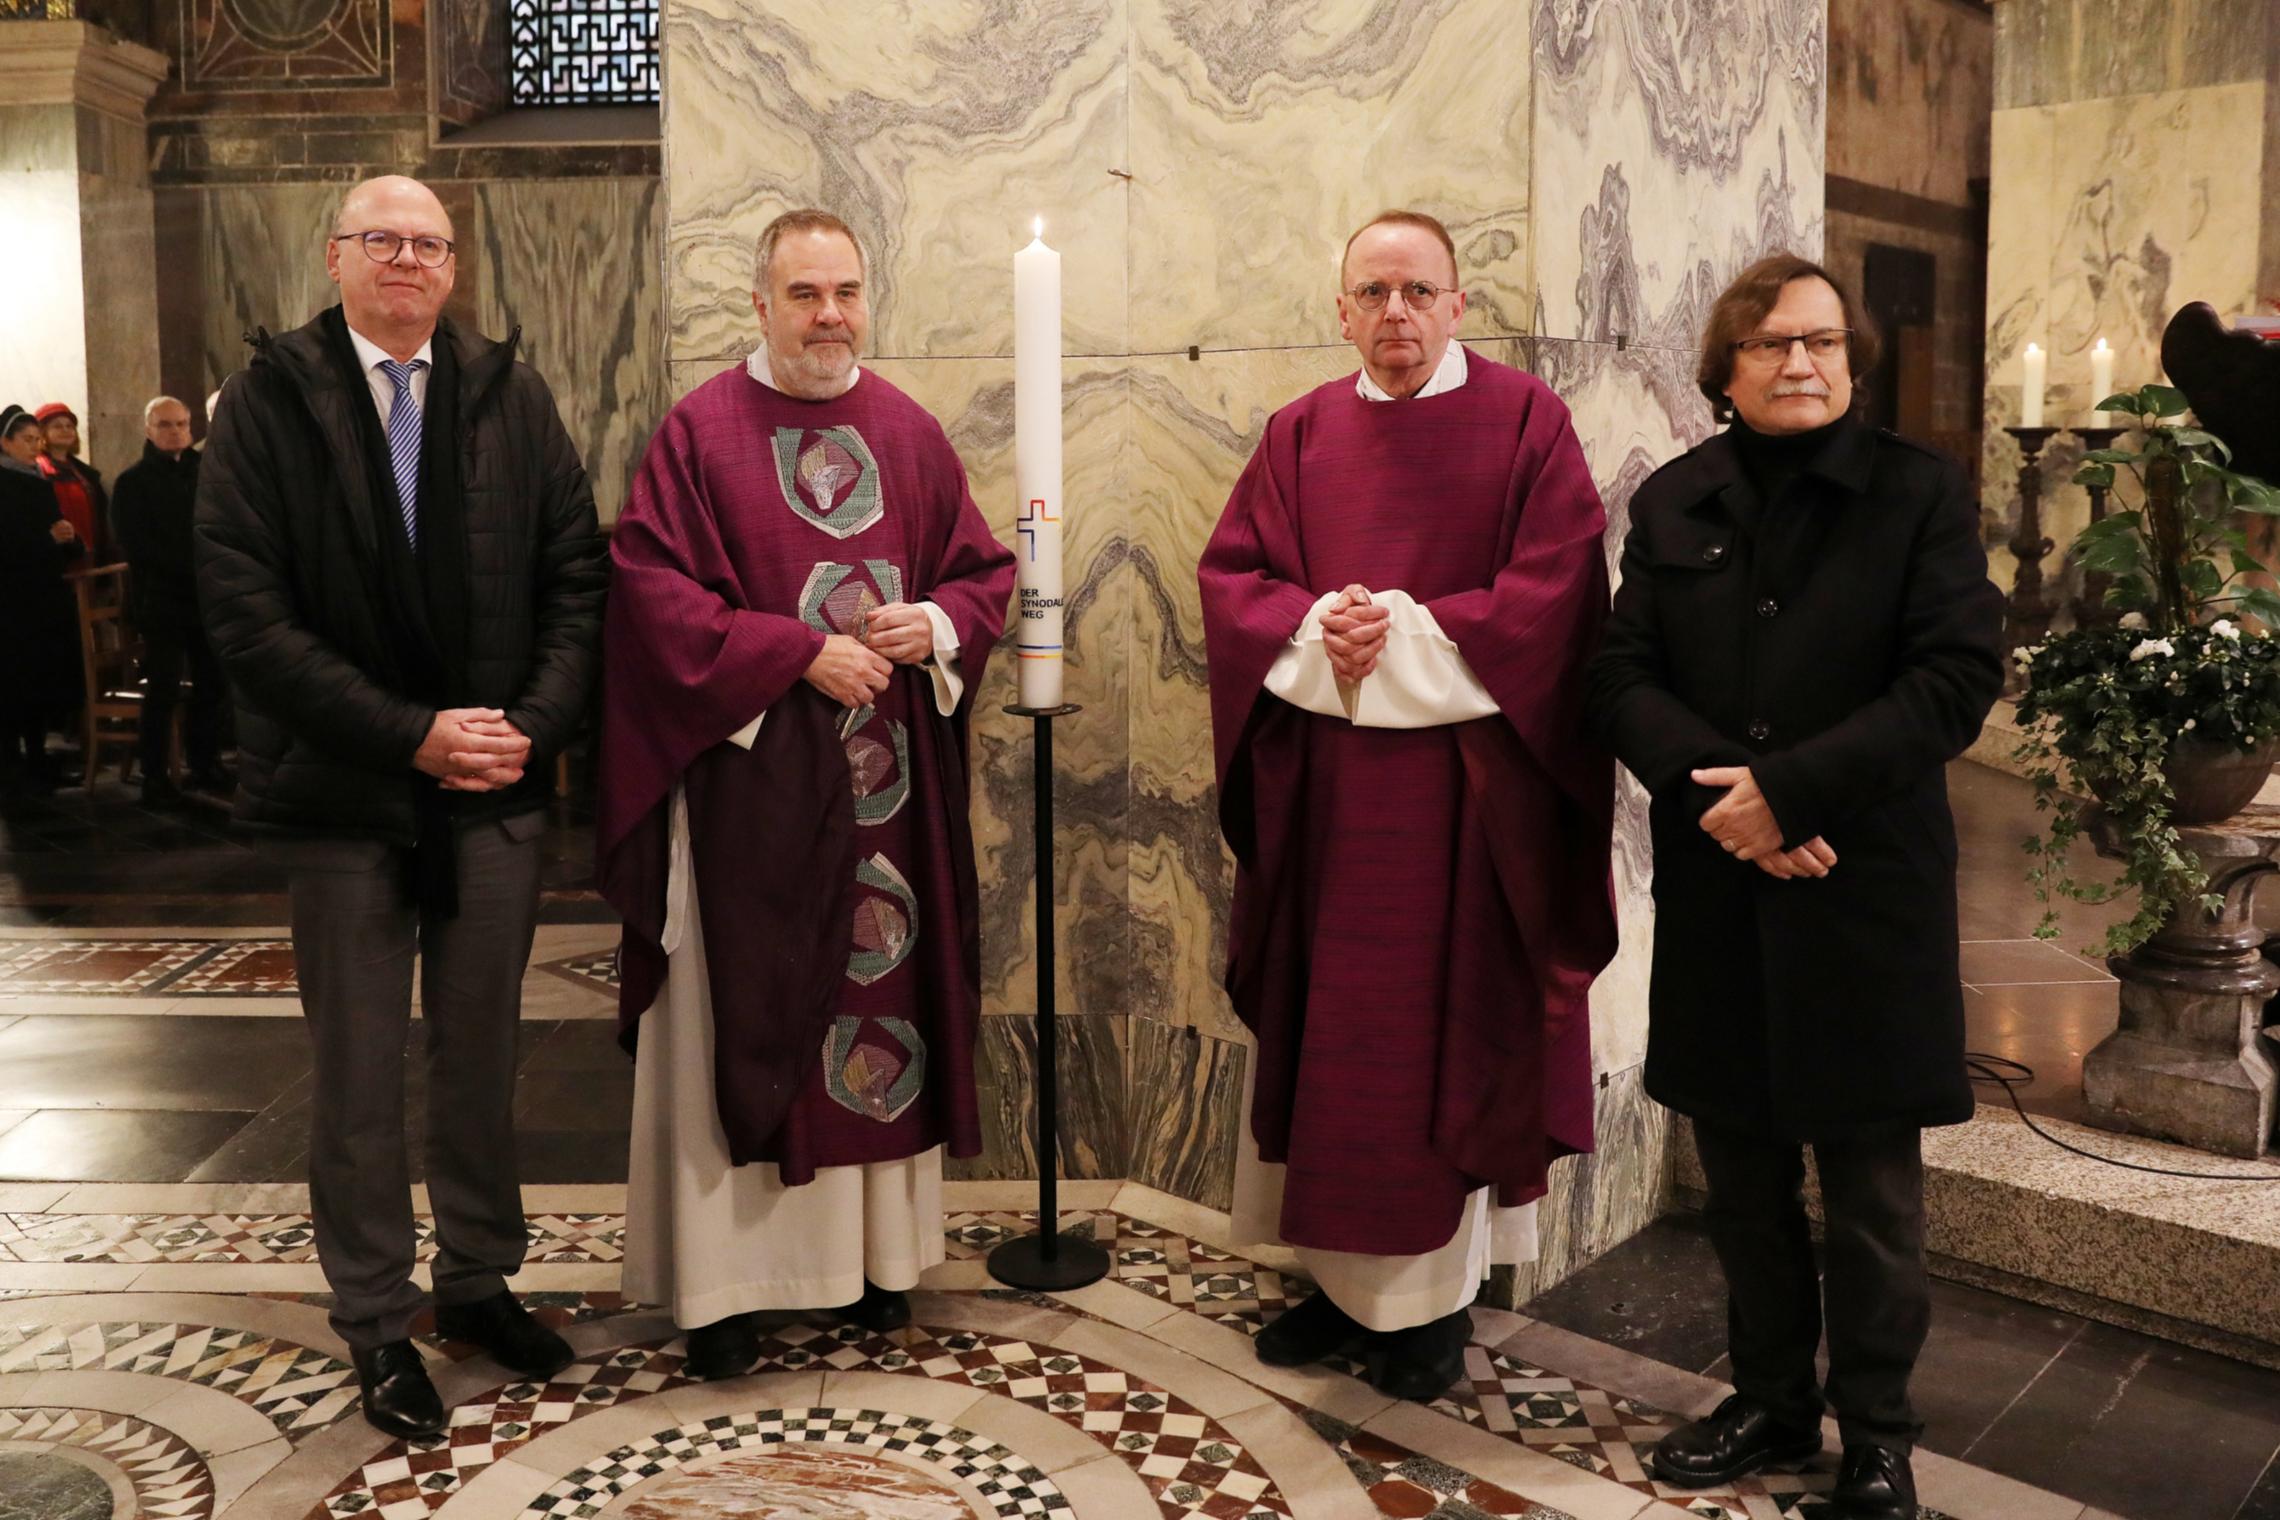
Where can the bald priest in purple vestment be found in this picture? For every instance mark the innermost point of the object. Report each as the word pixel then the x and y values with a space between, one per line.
pixel 802 599
pixel 1399 601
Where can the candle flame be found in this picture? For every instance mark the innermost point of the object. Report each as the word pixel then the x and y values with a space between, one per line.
pixel 1037 227
pixel 2101 345
pixel 2032 349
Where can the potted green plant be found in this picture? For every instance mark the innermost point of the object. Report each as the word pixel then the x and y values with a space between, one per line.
pixel 2170 714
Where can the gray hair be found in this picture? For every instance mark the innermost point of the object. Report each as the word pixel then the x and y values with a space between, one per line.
pixel 807 219
pixel 150 407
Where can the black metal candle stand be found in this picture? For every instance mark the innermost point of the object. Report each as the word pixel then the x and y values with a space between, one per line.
pixel 1047 1261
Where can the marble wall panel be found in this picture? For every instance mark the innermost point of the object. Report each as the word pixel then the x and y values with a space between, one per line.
pixel 575 264
pixel 1193 426
pixel 1911 83
pixel 2048 51
pixel 1185 1096
pixel 1705 115
pixel 1261 140
pixel 2105 216
pixel 262 264
pixel 118 270
pixel 1092 1134
pixel 973 398
pixel 1633 409
pixel 937 148
pixel 1598 1201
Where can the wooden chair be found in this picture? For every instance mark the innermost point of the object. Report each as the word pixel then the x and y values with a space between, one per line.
pixel 108 654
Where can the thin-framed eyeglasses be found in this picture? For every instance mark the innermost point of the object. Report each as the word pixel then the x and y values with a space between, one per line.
pixel 1773 348
pixel 382 247
pixel 1417 295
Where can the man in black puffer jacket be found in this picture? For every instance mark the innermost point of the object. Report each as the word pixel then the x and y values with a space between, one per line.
pixel 400 569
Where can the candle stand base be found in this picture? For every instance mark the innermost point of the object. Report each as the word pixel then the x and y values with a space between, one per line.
pixel 1048 1263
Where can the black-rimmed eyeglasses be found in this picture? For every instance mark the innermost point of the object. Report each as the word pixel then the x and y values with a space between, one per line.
pixel 382 247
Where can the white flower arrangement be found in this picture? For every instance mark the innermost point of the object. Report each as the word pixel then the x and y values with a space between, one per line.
pixel 2148 648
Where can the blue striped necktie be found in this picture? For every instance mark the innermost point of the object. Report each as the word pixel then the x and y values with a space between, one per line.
pixel 404 441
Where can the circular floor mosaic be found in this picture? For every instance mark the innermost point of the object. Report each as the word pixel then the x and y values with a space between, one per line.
pixel 833 1463
pixel 86 1464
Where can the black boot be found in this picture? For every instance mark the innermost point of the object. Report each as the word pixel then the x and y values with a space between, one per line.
pixel 399 1398
pixel 1309 1332
pixel 1738 1437
pixel 879 1309
pixel 1422 1361
pixel 1876 1483
pixel 725 1348
pixel 503 1327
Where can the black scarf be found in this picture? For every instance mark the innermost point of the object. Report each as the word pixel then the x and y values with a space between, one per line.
pixel 427 589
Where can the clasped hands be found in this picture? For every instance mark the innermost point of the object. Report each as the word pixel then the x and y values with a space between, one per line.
pixel 1744 825
pixel 1353 634
pixel 854 670
pixel 473 749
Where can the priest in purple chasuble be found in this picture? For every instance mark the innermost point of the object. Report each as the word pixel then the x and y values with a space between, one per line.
pixel 802 600
pixel 1398 602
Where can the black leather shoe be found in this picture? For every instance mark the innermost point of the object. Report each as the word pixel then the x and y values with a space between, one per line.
pixel 878 1310
pixel 398 1396
pixel 504 1328
pixel 725 1348
pixel 1312 1331
pixel 1422 1361
pixel 1739 1437
pixel 1875 1483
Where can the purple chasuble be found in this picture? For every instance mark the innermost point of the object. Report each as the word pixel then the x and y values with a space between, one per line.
pixel 1419 913
pixel 833 861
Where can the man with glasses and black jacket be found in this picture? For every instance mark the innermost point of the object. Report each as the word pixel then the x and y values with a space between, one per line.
pixel 400 569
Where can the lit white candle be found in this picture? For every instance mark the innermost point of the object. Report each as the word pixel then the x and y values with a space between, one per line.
pixel 2101 383
pixel 1037 470
pixel 2035 367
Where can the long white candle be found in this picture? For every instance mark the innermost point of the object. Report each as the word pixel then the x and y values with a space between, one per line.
pixel 2035 366
pixel 1037 469
pixel 2101 383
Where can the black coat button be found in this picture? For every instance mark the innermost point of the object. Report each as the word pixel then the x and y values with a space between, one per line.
pixel 1760 731
pixel 1713 554
pixel 1768 607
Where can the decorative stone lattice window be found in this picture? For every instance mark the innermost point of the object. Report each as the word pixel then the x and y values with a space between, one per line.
pixel 582 52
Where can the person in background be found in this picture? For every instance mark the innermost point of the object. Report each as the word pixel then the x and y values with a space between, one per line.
pixel 78 485
pixel 39 621
pixel 151 513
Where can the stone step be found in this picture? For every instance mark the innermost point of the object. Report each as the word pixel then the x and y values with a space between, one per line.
pixel 2188 1259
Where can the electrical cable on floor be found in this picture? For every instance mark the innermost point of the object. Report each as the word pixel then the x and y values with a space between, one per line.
pixel 1984 1069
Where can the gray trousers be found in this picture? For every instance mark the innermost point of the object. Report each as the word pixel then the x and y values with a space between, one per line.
pixel 354 940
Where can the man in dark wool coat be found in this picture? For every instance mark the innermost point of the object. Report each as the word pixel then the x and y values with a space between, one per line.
pixel 400 570
pixel 1803 636
pixel 1398 604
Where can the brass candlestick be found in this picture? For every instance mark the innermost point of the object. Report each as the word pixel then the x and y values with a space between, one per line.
pixel 2092 608
pixel 2028 617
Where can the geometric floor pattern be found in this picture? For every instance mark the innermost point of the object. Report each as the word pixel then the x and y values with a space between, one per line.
pixel 1131 1399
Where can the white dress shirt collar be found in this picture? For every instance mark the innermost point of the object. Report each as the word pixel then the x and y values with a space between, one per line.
pixel 371 355
pixel 757 366
pixel 1447 377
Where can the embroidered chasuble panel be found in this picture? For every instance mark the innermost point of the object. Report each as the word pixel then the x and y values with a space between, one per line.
pixel 874 1053
pixel 829 478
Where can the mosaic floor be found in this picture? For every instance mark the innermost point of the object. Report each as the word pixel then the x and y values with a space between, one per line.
pixel 164 1352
